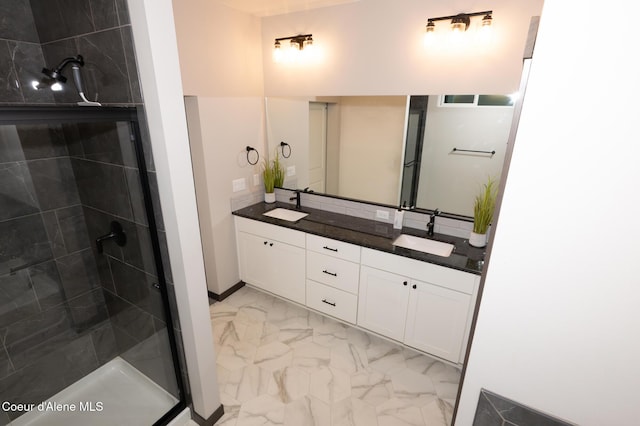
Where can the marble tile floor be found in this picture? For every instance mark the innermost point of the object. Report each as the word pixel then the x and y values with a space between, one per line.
pixel 281 364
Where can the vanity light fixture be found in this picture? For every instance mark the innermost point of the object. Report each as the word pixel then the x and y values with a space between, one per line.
pixel 460 22
pixel 297 44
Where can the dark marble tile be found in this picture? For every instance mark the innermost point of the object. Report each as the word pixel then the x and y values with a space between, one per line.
pixel 104 343
pixel 30 331
pixel 496 410
pixel 17 298
pixel 155 199
pixel 138 250
pixel 129 318
pixel 74 142
pixel 9 83
pixel 88 310
pixel 24 242
pixel 103 187
pixel 55 234
pixel 100 142
pixel 47 284
pixel 10 145
pixel 153 358
pixel 105 14
pixel 123 12
pixel 28 62
pixel 73 228
pixel 17 192
pixel 16 21
pixel 25 356
pixel 50 374
pixel 137 288
pixel 41 141
pixel 105 71
pixel 6 367
pixel 132 67
pixel 78 273
pixel 57 19
pixel 54 182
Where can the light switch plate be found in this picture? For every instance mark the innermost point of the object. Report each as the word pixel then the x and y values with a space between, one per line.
pixel 239 184
pixel 256 180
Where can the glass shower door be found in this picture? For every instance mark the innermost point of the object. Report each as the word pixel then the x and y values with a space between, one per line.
pixel 85 297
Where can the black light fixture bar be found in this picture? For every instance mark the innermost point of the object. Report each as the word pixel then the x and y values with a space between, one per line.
pixel 300 39
pixel 464 18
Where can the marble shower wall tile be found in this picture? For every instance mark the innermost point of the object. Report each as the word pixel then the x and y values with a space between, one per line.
pixel 496 410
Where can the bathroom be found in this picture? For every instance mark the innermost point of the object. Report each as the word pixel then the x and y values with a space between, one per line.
pixel 532 310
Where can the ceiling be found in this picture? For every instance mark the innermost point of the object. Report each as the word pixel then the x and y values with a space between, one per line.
pixel 278 7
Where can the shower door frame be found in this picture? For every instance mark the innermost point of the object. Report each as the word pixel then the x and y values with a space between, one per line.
pixel 16 115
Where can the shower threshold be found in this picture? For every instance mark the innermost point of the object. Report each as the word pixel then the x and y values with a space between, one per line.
pixel 114 394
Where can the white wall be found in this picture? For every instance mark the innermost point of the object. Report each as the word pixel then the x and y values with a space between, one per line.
pixel 221 64
pixel 559 321
pixel 219 49
pixel 157 58
pixel 449 181
pixel 219 131
pixel 375 47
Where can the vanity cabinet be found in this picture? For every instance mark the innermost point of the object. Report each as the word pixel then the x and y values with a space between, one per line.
pixel 272 258
pixel 425 306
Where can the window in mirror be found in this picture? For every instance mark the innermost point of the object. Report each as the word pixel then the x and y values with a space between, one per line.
pixel 458 99
pixel 495 100
pixel 476 100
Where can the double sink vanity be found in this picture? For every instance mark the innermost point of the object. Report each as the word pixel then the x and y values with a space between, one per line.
pixel 399 284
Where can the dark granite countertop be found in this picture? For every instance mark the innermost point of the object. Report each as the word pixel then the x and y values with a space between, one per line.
pixel 371 234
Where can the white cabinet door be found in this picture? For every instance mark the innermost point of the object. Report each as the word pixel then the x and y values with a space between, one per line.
pixel 273 266
pixel 436 320
pixel 382 302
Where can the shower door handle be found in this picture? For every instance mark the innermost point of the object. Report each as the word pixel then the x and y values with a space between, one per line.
pixel 117 234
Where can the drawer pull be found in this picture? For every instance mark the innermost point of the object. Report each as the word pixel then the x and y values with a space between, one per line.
pixel 330 249
pixel 333 274
pixel 328 303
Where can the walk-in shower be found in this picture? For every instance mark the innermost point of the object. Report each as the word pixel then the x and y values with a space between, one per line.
pixel 85 297
pixel 54 79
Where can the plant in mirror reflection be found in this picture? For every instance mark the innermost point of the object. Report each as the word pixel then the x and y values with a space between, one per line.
pixel 484 206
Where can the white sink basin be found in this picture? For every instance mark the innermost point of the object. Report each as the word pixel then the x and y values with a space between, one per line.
pixel 424 245
pixel 285 214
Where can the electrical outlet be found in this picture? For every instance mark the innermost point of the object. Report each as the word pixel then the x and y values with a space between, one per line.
pixel 382 214
pixel 256 180
pixel 239 184
pixel 291 171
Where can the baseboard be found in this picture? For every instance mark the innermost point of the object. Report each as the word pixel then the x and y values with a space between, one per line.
pixel 217 415
pixel 226 293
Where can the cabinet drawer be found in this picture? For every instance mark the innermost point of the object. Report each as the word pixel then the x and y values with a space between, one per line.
pixel 332 301
pixel 333 248
pixel 337 273
pixel 272 232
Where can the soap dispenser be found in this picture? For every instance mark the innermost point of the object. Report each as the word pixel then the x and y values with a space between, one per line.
pixel 398 219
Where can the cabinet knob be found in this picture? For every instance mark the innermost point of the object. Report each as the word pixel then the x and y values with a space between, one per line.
pixel 265 243
pixel 415 286
pixel 405 283
pixel 270 244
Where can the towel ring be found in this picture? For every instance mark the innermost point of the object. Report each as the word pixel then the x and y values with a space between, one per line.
pixel 282 147
pixel 249 149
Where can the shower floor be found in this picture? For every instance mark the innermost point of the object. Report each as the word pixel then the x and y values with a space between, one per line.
pixel 128 397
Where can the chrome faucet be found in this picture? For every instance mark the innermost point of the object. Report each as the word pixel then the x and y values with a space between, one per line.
pixel 432 222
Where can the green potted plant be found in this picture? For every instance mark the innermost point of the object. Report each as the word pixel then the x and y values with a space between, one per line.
pixel 272 176
pixel 483 208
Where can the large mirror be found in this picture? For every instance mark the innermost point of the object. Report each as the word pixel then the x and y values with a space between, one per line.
pixel 426 152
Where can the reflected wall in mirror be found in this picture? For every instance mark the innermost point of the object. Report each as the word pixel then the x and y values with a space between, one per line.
pixel 392 150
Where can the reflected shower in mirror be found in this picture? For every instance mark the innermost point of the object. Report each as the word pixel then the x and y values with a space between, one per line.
pixel 425 152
